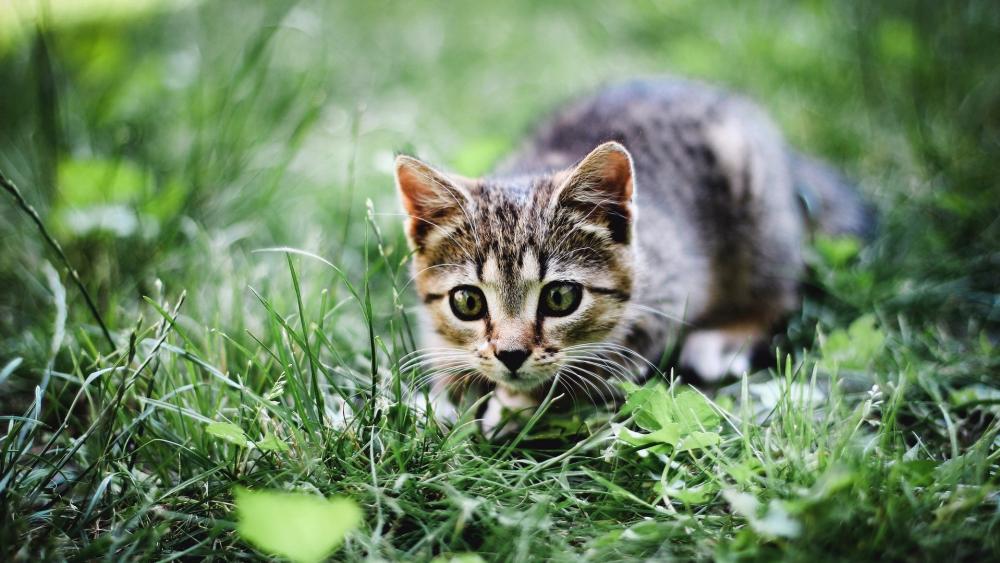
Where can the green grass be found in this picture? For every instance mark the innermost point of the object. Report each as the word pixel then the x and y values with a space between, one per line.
pixel 165 149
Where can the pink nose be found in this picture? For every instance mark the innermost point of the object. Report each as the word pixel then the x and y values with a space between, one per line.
pixel 513 359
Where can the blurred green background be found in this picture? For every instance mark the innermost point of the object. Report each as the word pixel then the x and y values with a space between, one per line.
pixel 163 142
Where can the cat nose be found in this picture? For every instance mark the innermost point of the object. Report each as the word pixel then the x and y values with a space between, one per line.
pixel 513 359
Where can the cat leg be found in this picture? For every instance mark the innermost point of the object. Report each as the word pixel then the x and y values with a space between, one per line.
pixel 441 403
pixel 502 402
pixel 714 353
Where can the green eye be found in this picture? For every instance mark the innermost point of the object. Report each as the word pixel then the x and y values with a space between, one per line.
pixel 560 299
pixel 468 303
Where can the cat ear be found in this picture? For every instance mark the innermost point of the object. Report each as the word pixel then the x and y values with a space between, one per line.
pixel 601 187
pixel 430 197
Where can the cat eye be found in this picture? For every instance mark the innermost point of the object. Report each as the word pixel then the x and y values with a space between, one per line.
pixel 467 302
pixel 560 298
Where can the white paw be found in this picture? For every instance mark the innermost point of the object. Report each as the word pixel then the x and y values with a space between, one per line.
pixel 491 419
pixel 714 354
pixel 501 404
pixel 444 409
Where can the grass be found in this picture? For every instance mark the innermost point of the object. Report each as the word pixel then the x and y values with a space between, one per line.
pixel 218 175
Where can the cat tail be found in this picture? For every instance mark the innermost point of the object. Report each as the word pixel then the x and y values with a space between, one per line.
pixel 832 203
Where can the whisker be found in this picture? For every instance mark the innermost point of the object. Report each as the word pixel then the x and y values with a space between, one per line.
pixel 428 349
pixel 616 348
pixel 664 314
pixel 574 379
pixel 584 377
pixel 447 377
pixel 428 358
pixel 610 369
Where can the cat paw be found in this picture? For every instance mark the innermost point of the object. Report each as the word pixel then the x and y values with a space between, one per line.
pixel 442 406
pixel 444 409
pixel 498 412
pixel 715 354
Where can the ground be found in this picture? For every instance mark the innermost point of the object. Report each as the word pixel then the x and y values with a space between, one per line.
pixel 219 174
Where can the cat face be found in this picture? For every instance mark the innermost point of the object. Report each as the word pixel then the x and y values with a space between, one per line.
pixel 515 273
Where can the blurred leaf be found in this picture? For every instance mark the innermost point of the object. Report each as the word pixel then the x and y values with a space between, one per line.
pixel 836 252
pixel 854 348
pixel 228 432
pixel 960 501
pixel 18 17
pixel 477 156
pixel 302 527
pixel 897 40
pixel 84 182
pixel 272 443
pixel 115 196
pixel 745 471
pixel 917 472
pixel 697 494
pixel 615 489
pixel 78 11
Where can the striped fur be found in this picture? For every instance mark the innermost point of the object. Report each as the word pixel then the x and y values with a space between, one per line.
pixel 671 203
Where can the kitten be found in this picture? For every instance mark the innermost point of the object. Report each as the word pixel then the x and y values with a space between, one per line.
pixel 644 211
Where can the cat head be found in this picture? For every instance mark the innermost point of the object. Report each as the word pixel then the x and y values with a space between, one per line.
pixel 516 272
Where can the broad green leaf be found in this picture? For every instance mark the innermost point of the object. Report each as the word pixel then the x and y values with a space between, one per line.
pixel 657 411
pixel 228 432
pixel 685 420
pixel 698 440
pixel 694 412
pixel 302 527
pixel 655 406
pixel 628 387
pixel 635 404
pixel 669 434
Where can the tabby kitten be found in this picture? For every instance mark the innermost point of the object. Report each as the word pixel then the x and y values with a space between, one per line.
pixel 645 211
